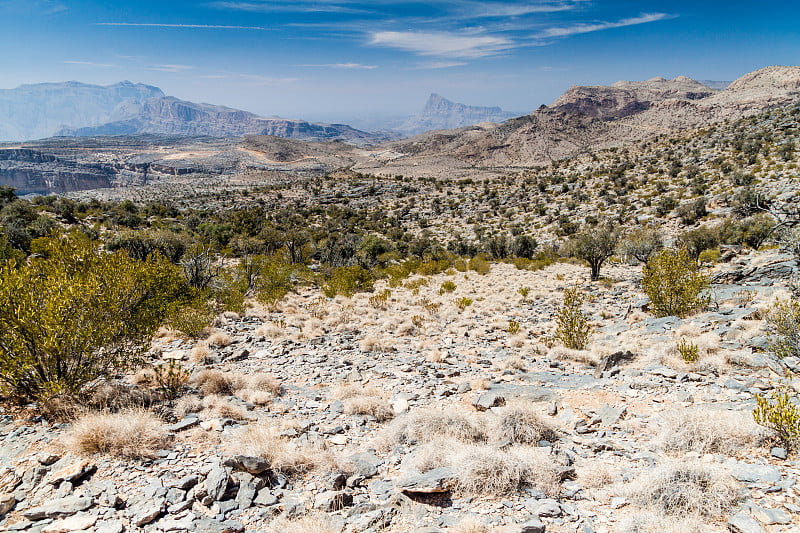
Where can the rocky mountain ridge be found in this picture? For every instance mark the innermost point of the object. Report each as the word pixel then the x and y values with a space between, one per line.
pixel 592 118
pixel 440 113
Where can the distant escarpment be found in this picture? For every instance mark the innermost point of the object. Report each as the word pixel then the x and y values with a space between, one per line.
pixel 440 114
pixel 591 118
pixel 171 116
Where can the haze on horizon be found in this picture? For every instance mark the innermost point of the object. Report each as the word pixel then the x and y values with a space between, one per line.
pixel 342 60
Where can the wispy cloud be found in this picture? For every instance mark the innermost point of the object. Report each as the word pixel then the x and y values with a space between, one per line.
pixel 40 7
pixel 190 26
pixel 342 65
pixel 90 64
pixel 170 68
pixel 252 79
pixel 289 7
pixel 575 29
pixel 430 65
pixel 442 44
pixel 472 9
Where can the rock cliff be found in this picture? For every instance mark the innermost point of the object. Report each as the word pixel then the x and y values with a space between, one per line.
pixel 440 113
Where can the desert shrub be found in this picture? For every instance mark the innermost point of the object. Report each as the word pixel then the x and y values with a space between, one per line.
pixel 695 430
pixel 485 470
pixel 463 302
pixel 687 350
pixel 572 325
pixel 194 318
pixel 780 413
pixel 370 406
pixel 347 281
pixel 379 300
pixel 140 244
pixel 283 455
pixel 641 243
pixel 524 292
pixel 74 314
pixel 313 523
pixel 447 286
pixel 480 265
pixel 133 434
pixel 783 319
pixel 425 425
pixel 696 240
pixel 520 423
pixel 692 212
pixel 674 283
pixel 513 327
pixel 274 281
pixel 752 231
pixel 200 265
pixel 686 488
pixel 594 247
pixel 170 377
pixel 211 381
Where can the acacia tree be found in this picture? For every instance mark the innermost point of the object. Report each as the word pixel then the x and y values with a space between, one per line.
pixel 594 247
pixel 75 313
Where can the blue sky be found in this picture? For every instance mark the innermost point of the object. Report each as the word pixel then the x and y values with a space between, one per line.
pixel 336 59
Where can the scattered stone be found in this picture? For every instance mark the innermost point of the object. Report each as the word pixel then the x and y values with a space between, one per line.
pixel 770 516
pixel 7 502
pixel 748 473
pixel 533 525
pixel 779 453
pixel 247 463
pixel 486 401
pixel 433 481
pixel 333 500
pixel 216 482
pixel 741 523
pixel 58 508
pixel 73 523
pixel 610 361
pixel 72 472
pixel 181 425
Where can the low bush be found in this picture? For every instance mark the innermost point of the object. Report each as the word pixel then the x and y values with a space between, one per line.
pixel 572 325
pixel 784 324
pixel 133 434
pixel 675 284
pixel 780 413
pixel 348 280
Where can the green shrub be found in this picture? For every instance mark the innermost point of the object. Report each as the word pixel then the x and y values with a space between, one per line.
pixel 347 281
pixel 75 314
pixel 781 414
pixel 170 377
pixel 379 300
pixel 462 303
pixel 274 281
pixel 688 351
pixel 572 325
pixel 594 247
pixel 674 283
pixel 784 322
pixel 513 327
pixel 193 318
pixel 480 265
pixel 447 286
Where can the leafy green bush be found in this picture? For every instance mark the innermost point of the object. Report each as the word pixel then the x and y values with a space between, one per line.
pixel 594 247
pixel 193 318
pixel 347 281
pixel 572 325
pixel 780 413
pixel 75 314
pixel 447 286
pixel 480 265
pixel 274 281
pixel 674 283
pixel 784 322
pixel 463 302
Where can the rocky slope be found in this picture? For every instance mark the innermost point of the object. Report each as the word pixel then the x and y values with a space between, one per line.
pixel 591 118
pixel 38 111
pixel 171 116
pixel 611 419
pixel 440 114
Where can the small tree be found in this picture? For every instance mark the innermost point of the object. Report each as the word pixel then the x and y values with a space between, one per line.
pixel 594 247
pixel 674 283
pixel 641 243
pixel 573 328
pixel 784 323
pixel 74 314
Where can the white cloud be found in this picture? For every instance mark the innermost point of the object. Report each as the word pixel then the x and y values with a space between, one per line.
pixel 90 64
pixel 191 26
pixel 341 65
pixel 430 65
pixel 170 68
pixel 288 7
pixel 442 44
pixel 575 29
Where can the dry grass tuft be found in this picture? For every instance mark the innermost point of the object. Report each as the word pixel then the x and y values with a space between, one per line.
pixel 211 381
pixel 470 525
pixel 264 383
pixel 372 343
pixel 584 357
pixel 219 339
pixel 654 522
pixel 217 406
pixel 200 353
pixel 343 391
pixel 697 430
pixel 519 422
pixel 282 454
pixel 685 488
pixel 596 475
pixel 131 434
pixel 370 406
pixel 484 470
pixel 316 523
pixel 425 425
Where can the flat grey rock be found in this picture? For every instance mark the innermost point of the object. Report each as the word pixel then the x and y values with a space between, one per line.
pixel 58 508
pixel 741 523
pixel 433 481
pixel 534 525
pixel 748 473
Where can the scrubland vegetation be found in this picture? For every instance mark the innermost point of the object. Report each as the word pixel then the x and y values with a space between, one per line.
pixel 481 286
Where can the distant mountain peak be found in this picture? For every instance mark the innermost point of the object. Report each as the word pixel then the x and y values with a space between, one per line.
pixel 441 113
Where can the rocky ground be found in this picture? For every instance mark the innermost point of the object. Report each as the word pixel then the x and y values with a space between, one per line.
pixel 410 413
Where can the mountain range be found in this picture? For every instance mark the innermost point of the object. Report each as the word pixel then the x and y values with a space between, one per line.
pixel 440 113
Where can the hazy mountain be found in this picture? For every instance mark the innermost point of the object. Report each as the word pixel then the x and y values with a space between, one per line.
pixel 440 113
pixel 79 109
pixel 37 111
pixel 171 116
pixel 590 118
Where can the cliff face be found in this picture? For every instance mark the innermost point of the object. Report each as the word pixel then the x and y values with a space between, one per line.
pixel 171 116
pixel 440 113
pixel 32 171
pixel 38 111
pixel 597 117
